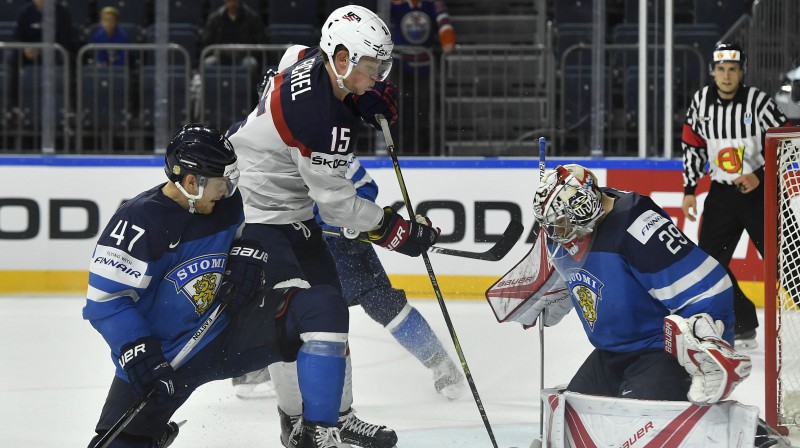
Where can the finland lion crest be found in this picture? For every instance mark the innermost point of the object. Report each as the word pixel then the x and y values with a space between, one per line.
pixel 198 280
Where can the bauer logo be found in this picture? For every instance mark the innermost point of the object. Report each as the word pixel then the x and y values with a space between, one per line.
pixel 198 280
pixel 119 266
pixel 646 224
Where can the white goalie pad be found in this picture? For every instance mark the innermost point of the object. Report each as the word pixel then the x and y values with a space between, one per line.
pixel 528 288
pixel 576 420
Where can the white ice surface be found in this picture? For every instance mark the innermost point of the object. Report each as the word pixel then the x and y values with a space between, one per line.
pixel 55 371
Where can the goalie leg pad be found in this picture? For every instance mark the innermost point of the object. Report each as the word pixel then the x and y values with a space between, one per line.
pixel 573 419
pixel 715 367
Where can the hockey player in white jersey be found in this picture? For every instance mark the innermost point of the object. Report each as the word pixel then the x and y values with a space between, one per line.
pixel 293 150
pixel 657 309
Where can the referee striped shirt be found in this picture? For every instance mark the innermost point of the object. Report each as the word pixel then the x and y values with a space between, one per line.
pixel 728 134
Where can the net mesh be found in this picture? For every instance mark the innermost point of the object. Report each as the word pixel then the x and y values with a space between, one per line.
pixel 788 318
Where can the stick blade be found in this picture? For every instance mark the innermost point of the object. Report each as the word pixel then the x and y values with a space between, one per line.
pixel 496 252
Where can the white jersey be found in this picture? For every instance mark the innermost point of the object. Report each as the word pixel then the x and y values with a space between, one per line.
pixel 294 149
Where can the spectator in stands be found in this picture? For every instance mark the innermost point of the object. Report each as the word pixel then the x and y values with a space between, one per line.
pixel 109 33
pixel 417 23
pixel 233 23
pixel 28 28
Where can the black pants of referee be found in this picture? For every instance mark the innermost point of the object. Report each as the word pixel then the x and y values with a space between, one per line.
pixel 726 214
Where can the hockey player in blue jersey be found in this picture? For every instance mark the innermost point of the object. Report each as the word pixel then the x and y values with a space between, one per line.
pixel 365 283
pixel 632 275
pixel 293 150
pixel 160 268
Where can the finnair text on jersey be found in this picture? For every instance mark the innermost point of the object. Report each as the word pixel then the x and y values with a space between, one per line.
pixel 124 267
pixel 301 78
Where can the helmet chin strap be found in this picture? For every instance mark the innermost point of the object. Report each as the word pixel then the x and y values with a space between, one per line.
pixel 340 78
pixel 191 197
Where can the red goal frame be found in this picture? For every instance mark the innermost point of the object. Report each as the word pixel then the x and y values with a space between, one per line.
pixel 772 392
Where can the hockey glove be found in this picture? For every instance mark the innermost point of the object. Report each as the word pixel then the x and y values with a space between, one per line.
pixel 716 369
pixel 382 99
pixel 146 366
pixel 410 238
pixel 245 275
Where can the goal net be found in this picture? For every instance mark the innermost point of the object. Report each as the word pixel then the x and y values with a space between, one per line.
pixel 782 277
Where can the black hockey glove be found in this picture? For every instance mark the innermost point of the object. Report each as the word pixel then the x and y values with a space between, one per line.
pixel 410 238
pixel 245 276
pixel 144 362
pixel 382 99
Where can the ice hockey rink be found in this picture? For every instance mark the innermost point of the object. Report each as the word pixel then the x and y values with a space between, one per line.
pixel 56 370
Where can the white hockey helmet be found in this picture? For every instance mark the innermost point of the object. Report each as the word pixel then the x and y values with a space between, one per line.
pixel 568 203
pixel 363 33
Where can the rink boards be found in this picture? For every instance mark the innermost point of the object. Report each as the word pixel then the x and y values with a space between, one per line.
pixel 53 208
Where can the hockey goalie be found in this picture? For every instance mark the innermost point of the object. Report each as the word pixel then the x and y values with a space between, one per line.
pixel 657 309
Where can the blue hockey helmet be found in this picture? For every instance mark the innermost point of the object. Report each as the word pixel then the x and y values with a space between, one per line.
pixel 202 151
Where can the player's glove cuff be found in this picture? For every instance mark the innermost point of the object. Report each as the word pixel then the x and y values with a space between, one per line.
pixel 144 363
pixel 407 237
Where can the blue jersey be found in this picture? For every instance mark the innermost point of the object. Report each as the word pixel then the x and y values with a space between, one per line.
pixel 636 268
pixel 156 269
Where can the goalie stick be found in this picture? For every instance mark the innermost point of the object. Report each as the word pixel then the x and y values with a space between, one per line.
pixel 134 410
pixel 495 253
pixel 542 150
pixel 387 135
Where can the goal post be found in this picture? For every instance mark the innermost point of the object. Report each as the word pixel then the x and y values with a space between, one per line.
pixel 782 278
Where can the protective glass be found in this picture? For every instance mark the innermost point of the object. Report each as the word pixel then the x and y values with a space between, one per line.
pixel 231 181
pixel 374 68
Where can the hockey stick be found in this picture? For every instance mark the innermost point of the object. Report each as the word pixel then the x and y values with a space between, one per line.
pixel 134 410
pixel 542 148
pixel 495 253
pixel 390 147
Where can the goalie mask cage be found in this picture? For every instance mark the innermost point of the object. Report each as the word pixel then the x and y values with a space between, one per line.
pixel 782 278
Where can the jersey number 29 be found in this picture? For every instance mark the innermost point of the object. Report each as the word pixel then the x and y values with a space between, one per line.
pixel 673 238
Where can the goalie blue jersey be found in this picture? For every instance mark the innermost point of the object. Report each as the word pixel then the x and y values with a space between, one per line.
pixel 155 271
pixel 636 268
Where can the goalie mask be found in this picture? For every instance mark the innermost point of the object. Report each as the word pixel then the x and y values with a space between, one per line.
pixel 568 203
pixel 363 33
pixel 204 152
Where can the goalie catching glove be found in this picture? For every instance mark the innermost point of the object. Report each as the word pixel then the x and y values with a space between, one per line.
pixel 410 238
pixel 714 365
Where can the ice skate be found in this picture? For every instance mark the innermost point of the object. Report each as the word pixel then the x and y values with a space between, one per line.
pixel 313 435
pixel 745 340
pixel 362 434
pixel 291 427
pixel 447 378
pixel 254 385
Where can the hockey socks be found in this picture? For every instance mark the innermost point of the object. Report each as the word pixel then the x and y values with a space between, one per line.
pixel 412 331
pixel 320 373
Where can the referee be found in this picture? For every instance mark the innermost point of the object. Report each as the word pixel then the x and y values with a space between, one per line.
pixel 725 126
